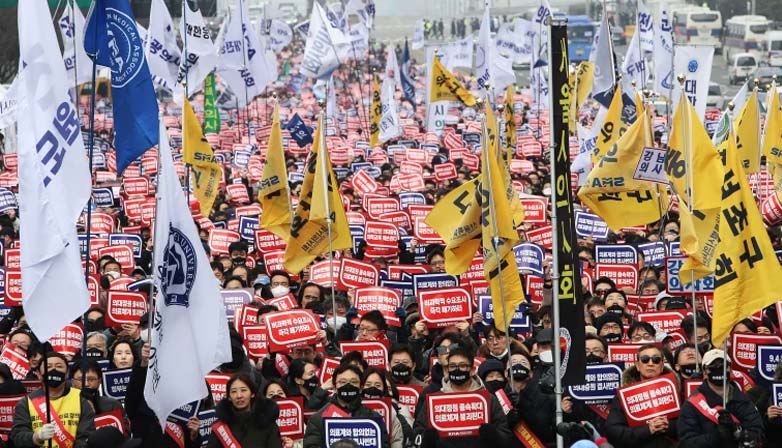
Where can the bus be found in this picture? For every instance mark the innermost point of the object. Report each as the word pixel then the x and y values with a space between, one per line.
pixel 745 34
pixel 698 25
pixel 581 34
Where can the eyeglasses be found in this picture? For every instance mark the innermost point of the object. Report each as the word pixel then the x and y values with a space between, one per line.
pixel 443 349
pixel 367 330
pixel 341 382
pixel 654 359
pixel 460 366
pixel 638 337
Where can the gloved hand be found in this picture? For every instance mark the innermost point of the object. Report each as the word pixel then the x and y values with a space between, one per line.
pixel 726 428
pixel 489 434
pixel 45 433
pixel 429 438
pixel 400 313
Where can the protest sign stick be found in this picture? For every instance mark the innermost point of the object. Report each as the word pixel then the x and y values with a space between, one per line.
pixel 155 274
pixel 46 373
pixel 725 389
pixel 356 68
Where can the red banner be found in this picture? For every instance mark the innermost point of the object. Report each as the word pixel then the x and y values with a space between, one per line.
pixel 220 239
pixel 381 235
pixel 266 241
pixel 541 236
pixel 290 329
pixel 745 345
pixel 16 360
pixel 445 171
pixel 125 307
pixel 443 307
pixel 535 209
pixel 327 368
pixel 255 340
pixel 385 300
pixel 7 409
pixel 374 353
pixel 356 274
pixel 408 396
pixel 651 398
pixel 13 288
pixel 111 418
pixel 457 414
pixel 291 418
pixel 663 321
pixel 68 340
pixel 383 407
pixel 320 273
pixel 623 352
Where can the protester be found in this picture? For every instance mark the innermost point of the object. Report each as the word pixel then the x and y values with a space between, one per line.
pixel 90 386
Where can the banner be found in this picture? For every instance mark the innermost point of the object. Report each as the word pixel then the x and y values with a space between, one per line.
pixel 115 383
pixel 529 258
pixel 7 409
pixel 768 357
pixel 443 307
pixel 373 352
pixel 590 225
pixel 290 329
pixel 16 360
pixel 125 307
pixel 366 433
pixel 385 300
pixel 695 62
pixel 291 417
pixel 616 254
pixel 744 348
pixel 520 321
pixel 650 398
pixel 458 414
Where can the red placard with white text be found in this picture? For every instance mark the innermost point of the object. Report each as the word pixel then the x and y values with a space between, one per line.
pixel 7 409
pixel 662 321
pixel 255 340
pixel 322 274
pixel 623 353
pixel 385 300
pixel 374 353
pixel 457 414
pixel 16 360
pixel 541 236
pixel 290 329
pixel 238 193
pixel 13 288
pixel 111 418
pixel 327 368
pixel 624 275
pixel 364 183
pixel 381 235
pixel 68 340
pixel 356 274
pixel 650 398
pixel 291 417
pixel 266 241
pixel 125 307
pixel 443 307
pixel 408 396
pixel 123 253
pixel 535 209
pixel 445 171
pixel 423 232
pixel 218 385
pixel 220 239
pixel 744 348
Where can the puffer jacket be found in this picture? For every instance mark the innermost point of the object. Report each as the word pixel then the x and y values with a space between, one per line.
pixel 256 427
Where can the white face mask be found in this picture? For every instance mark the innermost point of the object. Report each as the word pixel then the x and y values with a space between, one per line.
pixel 547 356
pixel 547 191
pixel 113 274
pixel 279 291
pixel 340 321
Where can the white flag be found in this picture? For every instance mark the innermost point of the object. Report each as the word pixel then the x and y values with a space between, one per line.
pixel 190 330
pixel 201 56
pixel 418 35
pixel 490 66
pixel 359 41
pixel 604 60
pixel 538 79
pixel 392 67
pixel 458 54
pixel 77 64
pixel 9 104
pixel 695 63
pixel 645 26
pixel 389 120
pixel 243 63
pixel 54 179
pixel 634 66
pixel 325 47
pixel 161 48
pixel 663 53
pixel 524 34
pixel 280 35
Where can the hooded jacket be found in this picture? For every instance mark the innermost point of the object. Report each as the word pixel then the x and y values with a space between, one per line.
pixel 256 427
pixel 313 433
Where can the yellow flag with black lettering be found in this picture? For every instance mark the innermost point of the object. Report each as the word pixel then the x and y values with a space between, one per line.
pixel 772 134
pixel 748 134
pixel 694 171
pixel 613 127
pixel 610 190
pixel 747 271
pixel 445 87
pixel 492 136
pixel 376 112
pixel 456 217
pixel 510 126
pixel 274 194
pixel 205 172
pixel 498 236
pixel 319 201
pixel 585 73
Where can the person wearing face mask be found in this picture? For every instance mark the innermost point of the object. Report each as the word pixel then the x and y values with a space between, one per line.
pixel 238 253
pixel 96 319
pixel 345 401
pixel 699 335
pixel 280 283
pixel 684 362
pixel 492 373
pixel 658 432
pixel 74 416
pixel 704 422
pixel 303 382
pixel 402 366
pixel 641 332
pixel 596 353
pixel 497 345
pixel 609 327
pixel 376 387
pixel 461 378
pixel 245 419
pixel 90 385
pixel 615 302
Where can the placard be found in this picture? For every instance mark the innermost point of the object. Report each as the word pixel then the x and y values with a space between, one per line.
pixel 327 368
pixel 677 286
pixel 220 239
pixel 291 417
pixel 541 236
pixel 385 300
pixel 132 240
pixel 744 348
pixel 7 410
pixel 408 396
pixel 520 319
pixel 218 385
pixel 356 274
pixel 68 340
pixel 623 275
pixel 529 258
pixel 234 298
pixel 423 232
pixel 290 329
pixel 776 394
pixel 623 353
pixel 381 235
pixel 444 307
pixel 445 171
pixel 125 307
pixel 423 282
pixel 16 360
pixel 266 241
pixel 768 357
pixel 650 398
pixel 115 383
pixel 255 340
pixel 12 287
pixel 590 225
pixel 601 382
pixel 616 254
pixel 373 352
pixel 651 166
pixel 457 414
pixel 662 321
pixel 111 418
pixel 383 407
pixel 321 273
pixel 366 433
pixel 535 209
pixel 654 253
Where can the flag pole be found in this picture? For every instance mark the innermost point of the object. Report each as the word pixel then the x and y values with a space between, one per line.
pixel 186 84
pixel 46 388
pixel 731 106
pixel 155 274
pixel 322 159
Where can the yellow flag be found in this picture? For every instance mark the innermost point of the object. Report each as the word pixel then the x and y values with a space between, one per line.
pixel 498 236
pixel 457 219
pixel 510 126
pixel 772 134
pixel 690 148
pixel 273 194
pixel 309 227
pixel 747 271
pixel 445 86
pixel 584 75
pixel 748 134
pixel 613 127
pixel 492 136
pixel 376 112
pixel 205 172
pixel 610 190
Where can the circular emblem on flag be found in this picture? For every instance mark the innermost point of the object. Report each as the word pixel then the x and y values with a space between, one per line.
pixel 565 344
pixel 127 52
pixel 692 66
pixel 178 270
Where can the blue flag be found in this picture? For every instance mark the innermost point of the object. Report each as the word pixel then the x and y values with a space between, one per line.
pixel 408 85
pixel 111 39
pixel 299 131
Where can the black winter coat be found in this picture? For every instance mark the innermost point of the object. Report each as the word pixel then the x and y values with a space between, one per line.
pixel 255 428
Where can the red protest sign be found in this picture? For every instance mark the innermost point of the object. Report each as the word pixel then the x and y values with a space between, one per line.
pixel 541 236
pixel 123 253
pixel 408 396
pixel 245 315
pixel 374 353
pixel 624 275
pixel 10 162
pixel 535 209
pixel 745 345
pixel 663 321
pixel 290 329
pixel 383 407
pixel 651 398
pixel 395 270
pixel 95 245
pixel 445 171
pixel 220 239
pixel 121 284
pixel 111 418
pixel 443 307
pixel 68 340
pixel 255 340
pixel 376 206
pixel 457 414
pixel 13 259
pixel 364 183
pixel 135 186
pixel 16 360
pixel 101 223
pixel 238 193
pixel 623 352
pixel 13 288
pixel 247 210
pixel 424 233
pixel 410 182
pixel 471 161
pixel 396 219
pixel 327 368
pixel 322 274
pixel 284 303
pixel 356 274
pixel 291 417
pixel 125 307
pixel 534 288
pixel 385 300
pixel 356 218
pixel 7 409
pixel 381 234
pixel 218 383
pixel 266 241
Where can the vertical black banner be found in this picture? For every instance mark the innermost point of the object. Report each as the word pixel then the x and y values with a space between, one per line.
pixel 571 307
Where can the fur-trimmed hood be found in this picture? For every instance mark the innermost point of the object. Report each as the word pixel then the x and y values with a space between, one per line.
pixel 632 375
pixel 263 412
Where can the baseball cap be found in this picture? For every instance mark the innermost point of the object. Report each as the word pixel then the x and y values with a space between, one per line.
pixel 713 355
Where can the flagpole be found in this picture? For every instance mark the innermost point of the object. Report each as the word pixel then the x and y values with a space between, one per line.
pixel 322 159
pixel 646 94
pixel 155 274
pixel 75 59
pixel 365 125
pixel 186 84
pixel 761 184
pixel 731 106
pixel 46 388
pixel 555 254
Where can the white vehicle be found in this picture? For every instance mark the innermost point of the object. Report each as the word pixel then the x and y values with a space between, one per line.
pixel 698 25
pixel 715 97
pixel 741 66
pixel 773 48
pixel 745 34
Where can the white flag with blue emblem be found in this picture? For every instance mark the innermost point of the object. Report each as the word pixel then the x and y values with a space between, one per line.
pixel 645 27
pixel 162 50
pixel 633 66
pixel 77 64
pixel 325 46
pixel 490 66
pixel 603 81
pixel 190 329
pixel 694 62
pixel 418 35
pixel 663 53
pixel 54 179
pixel 200 57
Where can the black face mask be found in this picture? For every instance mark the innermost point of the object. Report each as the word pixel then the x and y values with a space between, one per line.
pixel 348 393
pixel 704 347
pixel 401 373
pixel 89 394
pixel 459 376
pixel 613 338
pixel 494 385
pixel 94 353
pixel 238 261
pixel 372 392
pixel 715 375
pixel 311 384
pixel 519 372
pixel 593 359
pixel 54 378
pixel 98 324
pixel 615 309
pixel 535 361
pixel 687 370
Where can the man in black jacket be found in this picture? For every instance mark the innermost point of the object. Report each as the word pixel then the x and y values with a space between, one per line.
pixel 705 423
